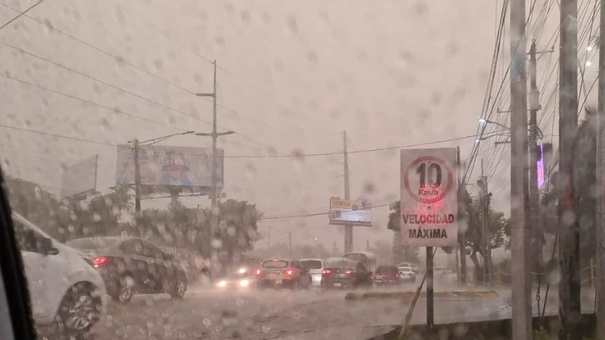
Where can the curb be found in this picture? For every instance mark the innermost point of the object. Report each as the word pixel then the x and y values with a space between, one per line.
pixel 410 295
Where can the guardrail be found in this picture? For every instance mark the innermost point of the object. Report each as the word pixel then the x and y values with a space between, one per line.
pixel 501 278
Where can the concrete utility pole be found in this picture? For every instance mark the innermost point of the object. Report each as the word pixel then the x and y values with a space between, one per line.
pixel 569 250
pixel 213 190
pixel 348 227
pixel 461 217
pixel 534 218
pixel 521 289
pixel 600 216
pixel 290 243
pixel 137 179
pixel 485 197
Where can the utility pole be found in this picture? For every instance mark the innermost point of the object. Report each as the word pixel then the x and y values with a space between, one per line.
pixel 521 288
pixel 485 241
pixel 348 227
pixel 137 180
pixel 569 250
pixel 214 229
pixel 269 239
pixel 461 217
pixel 290 243
pixel 534 196
pixel 600 185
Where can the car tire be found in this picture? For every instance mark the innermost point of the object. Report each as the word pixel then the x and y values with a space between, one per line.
pixel 125 290
pixel 78 312
pixel 179 289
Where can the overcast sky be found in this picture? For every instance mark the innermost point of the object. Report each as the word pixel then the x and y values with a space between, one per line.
pixel 293 75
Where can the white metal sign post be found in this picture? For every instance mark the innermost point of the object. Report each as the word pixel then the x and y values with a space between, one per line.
pixel 429 203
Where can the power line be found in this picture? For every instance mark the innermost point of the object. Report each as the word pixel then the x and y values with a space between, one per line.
pixel 117 110
pixel 103 82
pixel 121 60
pixel 57 135
pixel 21 14
pixel 314 214
pixel 357 151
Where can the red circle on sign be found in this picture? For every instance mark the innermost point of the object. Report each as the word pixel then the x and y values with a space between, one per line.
pixel 448 187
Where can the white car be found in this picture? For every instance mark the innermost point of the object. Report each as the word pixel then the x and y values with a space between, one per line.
pixel 413 267
pixel 407 274
pixel 67 293
pixel 315 268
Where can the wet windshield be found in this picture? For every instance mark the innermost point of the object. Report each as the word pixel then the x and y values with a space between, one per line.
pixel 456 142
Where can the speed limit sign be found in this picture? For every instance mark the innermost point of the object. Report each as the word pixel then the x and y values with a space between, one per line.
pixel 429 197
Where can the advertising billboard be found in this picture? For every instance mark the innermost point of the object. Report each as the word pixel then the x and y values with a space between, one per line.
pixel 166 167
pixel 429 197
pixel 354 212
pixel 80 178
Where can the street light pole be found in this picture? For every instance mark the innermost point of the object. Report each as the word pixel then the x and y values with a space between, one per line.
pixel 136 147
pixel 214 232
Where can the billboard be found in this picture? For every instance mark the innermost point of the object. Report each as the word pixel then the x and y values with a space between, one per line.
pixel 167 167
pixel 429 197
pixel 80 178
pixel 355 212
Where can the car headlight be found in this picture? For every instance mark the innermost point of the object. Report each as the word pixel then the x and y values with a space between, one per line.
pixel 221 284
pixel 244 283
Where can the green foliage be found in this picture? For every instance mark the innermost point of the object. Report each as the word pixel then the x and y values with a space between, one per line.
pixel 400 253
pixel 104 215
pixel 498 228
pixel 585 189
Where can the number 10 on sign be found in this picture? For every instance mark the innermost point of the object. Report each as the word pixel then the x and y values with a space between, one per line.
pixel 429 197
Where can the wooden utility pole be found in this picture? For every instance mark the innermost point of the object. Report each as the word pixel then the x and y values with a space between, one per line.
pixel 600 185
pixel 521 289
pixel 569 250
pixel 348 227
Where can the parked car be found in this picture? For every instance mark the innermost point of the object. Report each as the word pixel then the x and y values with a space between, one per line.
pixel 407 274
pixel 315 267
pixel 345 273
pixel 279 273
pixel 387 276
pixel 412 266
pixel 132 265
pixel 243 278
pixel 71 300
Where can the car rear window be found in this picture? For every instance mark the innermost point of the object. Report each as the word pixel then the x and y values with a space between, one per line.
pixel 341 263
pixel 311 264
pixel 275 264
pixel 386 270
pixel 92 243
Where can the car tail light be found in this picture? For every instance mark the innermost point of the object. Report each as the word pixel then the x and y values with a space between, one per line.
pixel 101 261
pixel 397 276
pixel 289 272
pixel 326 272
pixel 258 272
pixel 350 272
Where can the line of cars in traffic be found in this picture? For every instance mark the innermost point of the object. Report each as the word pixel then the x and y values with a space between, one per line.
pixel 331 273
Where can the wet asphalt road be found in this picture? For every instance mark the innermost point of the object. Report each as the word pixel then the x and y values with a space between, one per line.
pixel 285 314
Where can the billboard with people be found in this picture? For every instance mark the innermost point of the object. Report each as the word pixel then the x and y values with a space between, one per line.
pixel 166 167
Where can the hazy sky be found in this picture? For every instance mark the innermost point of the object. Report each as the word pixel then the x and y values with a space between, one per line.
pixel 293 76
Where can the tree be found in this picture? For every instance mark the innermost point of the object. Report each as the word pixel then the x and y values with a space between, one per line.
pixel 498 228
pixel 585 187
pixel 400 253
